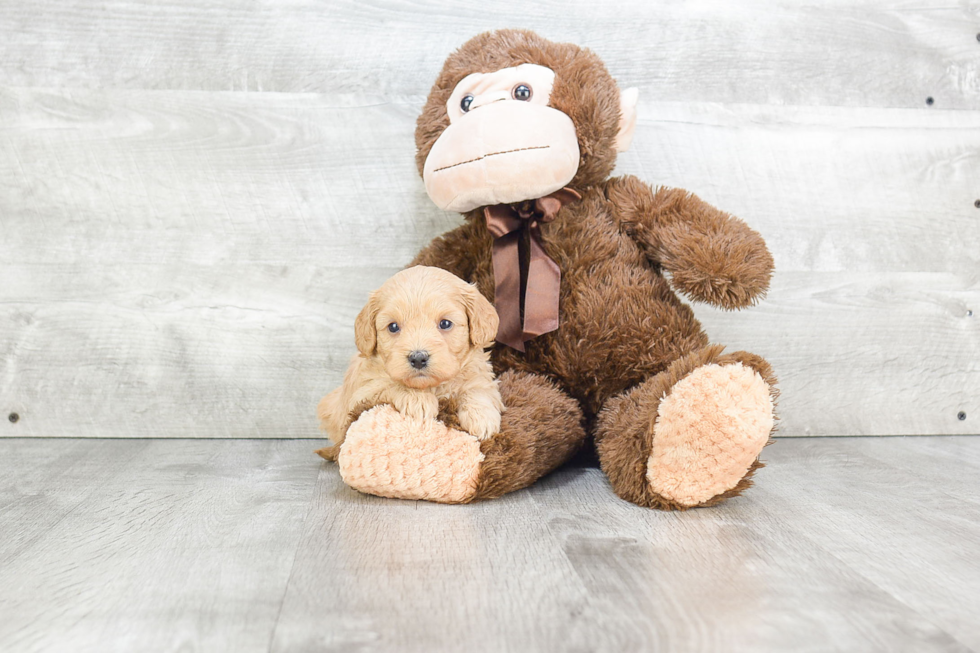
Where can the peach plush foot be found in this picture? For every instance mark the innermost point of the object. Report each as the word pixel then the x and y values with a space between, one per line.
pixel 708 432
pixel 691 435
pixel 391 455
pixel 388 454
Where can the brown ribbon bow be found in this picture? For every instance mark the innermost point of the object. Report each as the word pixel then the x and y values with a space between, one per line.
pixel 537 298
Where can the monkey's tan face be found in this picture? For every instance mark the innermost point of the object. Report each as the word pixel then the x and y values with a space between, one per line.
pixel 504 143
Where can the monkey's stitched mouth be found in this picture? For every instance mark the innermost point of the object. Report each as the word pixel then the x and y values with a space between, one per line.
pixel 480 158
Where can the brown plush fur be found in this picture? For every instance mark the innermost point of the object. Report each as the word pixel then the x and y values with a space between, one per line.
pixel 623 433
pixel 526 447
pixel 621 322
pixel 625 337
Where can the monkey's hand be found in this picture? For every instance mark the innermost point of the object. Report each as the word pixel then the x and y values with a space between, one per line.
pixel 711 256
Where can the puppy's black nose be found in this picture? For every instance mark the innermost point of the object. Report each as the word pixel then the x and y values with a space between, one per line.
pixel 418 359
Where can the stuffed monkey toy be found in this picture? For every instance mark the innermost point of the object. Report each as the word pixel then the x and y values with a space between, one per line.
pixel 520 135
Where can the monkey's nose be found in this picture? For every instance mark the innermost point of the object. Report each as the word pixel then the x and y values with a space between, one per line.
pixel 418 359
pixel 484 99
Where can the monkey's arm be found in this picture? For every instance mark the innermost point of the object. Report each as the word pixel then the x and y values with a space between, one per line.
pixel 455 251
pixel 711 256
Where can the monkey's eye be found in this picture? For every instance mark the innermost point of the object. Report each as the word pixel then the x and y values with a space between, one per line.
pixel 445 325
pixel 465 103
pixel 394 328
pixel 522 92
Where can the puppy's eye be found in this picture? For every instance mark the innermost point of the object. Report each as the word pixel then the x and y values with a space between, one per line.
pixel 394 328
pixel 465 103
pixel 445 325
pixel 522 92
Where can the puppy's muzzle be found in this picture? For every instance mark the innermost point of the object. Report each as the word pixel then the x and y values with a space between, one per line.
pixel 418 359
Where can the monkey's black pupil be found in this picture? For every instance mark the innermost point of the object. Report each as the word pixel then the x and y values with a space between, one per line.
pixel 466 102
pixel 445 324
pixel 522 92
pixel 393 327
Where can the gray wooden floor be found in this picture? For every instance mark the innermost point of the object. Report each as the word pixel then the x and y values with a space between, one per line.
pixel 850 544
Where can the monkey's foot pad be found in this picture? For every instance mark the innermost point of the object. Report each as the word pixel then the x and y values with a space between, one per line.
pixel 708 432
pixel 390 455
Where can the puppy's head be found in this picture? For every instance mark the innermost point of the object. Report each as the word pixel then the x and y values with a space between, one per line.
pixel 423 323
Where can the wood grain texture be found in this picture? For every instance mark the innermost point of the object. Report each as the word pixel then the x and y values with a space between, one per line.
pixel 379 574
pixel 912 490
pixel 628 579
pixel 376 575
pixel 186 264
pixel 883 53
pixel 166 253
pixel 44 481
pixel 168 545
pixel 871 323
pixel 731 579
pixel 844 544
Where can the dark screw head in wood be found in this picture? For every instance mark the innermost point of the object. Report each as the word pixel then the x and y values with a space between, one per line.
pixel 13 417
pixel 976 203
pixel 961 416
pixel 978 37
pixel 929 100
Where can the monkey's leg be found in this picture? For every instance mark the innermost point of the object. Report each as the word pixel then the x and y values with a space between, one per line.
pixel 389 455
pixel 691 435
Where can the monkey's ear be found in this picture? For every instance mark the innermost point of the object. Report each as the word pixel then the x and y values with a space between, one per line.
pixel 365 333
pixel 482 317
pixel 627 118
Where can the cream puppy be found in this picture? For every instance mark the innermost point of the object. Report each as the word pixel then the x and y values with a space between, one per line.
pixel 421 339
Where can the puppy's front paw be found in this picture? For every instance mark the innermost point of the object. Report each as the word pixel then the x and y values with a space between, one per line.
pixel 481 422
pixel 417 405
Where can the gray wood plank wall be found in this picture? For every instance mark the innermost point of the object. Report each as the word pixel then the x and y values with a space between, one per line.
pixel 196 197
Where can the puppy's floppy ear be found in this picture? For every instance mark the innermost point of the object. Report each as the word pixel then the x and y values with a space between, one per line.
pixel 365 333
pixel 482 317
